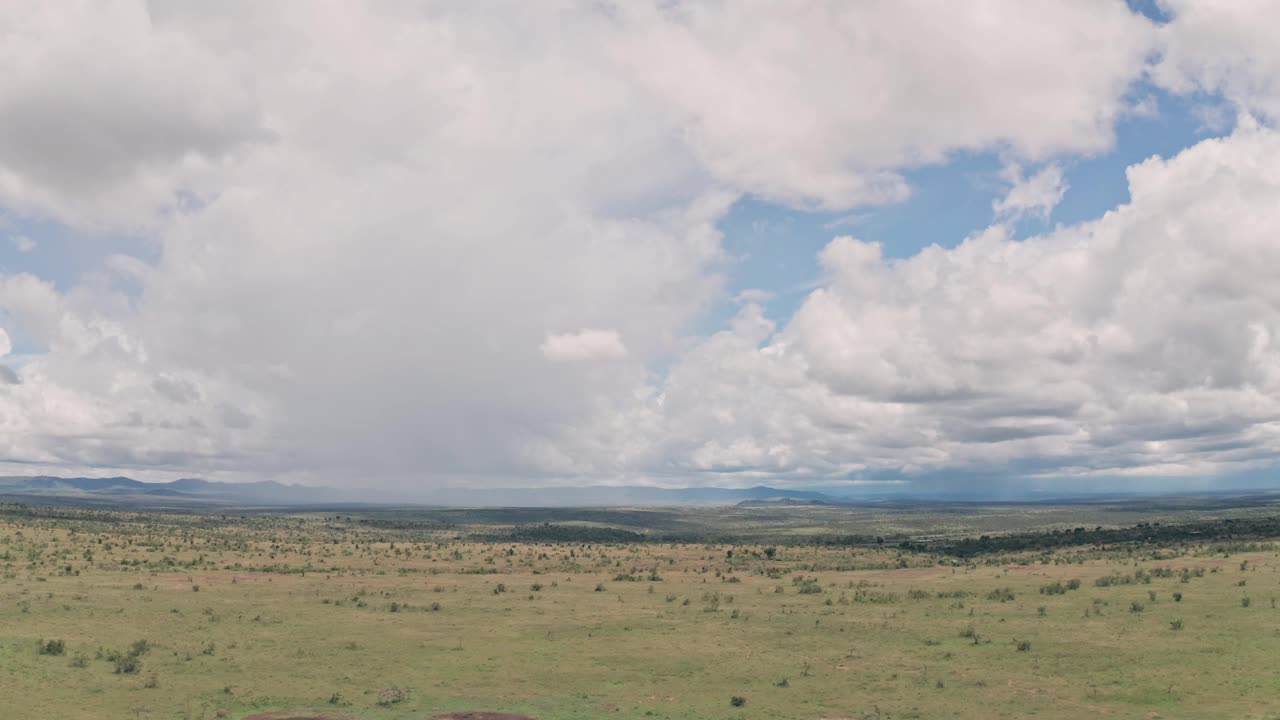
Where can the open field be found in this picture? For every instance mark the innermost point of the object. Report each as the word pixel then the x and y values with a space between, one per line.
pixel 117 614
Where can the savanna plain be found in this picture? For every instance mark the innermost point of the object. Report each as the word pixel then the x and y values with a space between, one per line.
pixel 768 612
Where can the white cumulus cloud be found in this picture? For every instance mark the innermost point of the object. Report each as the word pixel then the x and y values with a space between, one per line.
pixel 1146 342
pixel 586 344
pixel 1225 48
pixel 1034 196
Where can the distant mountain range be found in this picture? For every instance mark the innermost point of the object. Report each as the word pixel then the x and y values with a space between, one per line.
pixel 195 491
pixel 189 489
pixel 603 496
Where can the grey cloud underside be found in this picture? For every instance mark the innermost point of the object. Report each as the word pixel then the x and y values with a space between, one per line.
pixel 382 257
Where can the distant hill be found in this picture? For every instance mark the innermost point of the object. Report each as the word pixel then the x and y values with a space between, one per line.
pixel 197 491
pixel 783 502
pixel 622 495
pixel 122 488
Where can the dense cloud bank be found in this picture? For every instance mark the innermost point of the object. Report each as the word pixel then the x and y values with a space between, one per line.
pixel 396 243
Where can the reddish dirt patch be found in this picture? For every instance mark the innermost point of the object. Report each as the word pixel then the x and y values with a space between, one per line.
pixel 471 715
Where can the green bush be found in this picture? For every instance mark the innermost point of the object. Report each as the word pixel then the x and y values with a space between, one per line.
pixel 809 587
pixel 1056 588
pixel 1002 595
pixel 52 647
pixel 391 696
pixel 127 665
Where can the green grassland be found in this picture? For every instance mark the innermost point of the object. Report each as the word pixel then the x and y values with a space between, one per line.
pixel 186 615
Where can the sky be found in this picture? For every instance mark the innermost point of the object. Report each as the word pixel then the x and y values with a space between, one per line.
pixel 412 245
